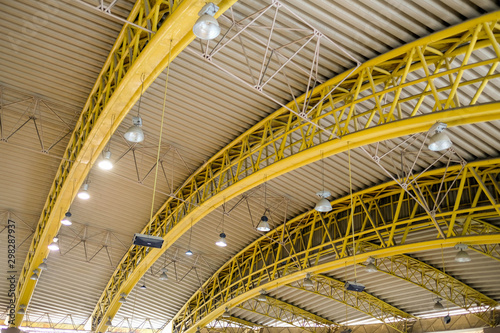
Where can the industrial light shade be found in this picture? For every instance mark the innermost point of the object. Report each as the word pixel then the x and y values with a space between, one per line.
pixel 222 240
pixel 308 283
pixel 135 132
pixel 22 309
pixel 189 252
pixel 370 266
pixel 54 246
pixel 84 192
pixel 143 287
pixel 43 265
pixel 262 296
pixel 66 220
pixel 163 275
pixel 263 224
pixel 323 204
pixel 438 305
pixel 226 313
pixel 123 298
pixel 108 323
pixel 462 255
pixel 105 163
pixel 207 27
pixel 34 277
pixel 439 140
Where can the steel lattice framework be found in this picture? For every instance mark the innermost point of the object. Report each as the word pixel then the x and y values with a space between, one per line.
pixel 440 283
pixel 287 313
pixel 361 301
pixel 318 243
pixel 382 99
pixel 136 53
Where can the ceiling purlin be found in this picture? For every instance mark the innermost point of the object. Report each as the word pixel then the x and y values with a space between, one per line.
pixel 390 108
pixel 321 243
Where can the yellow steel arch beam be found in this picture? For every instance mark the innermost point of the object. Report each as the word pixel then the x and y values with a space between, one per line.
pixel 318 243
pixel 361 301
pixel 377 102
pixel 439 283
pixel 135 54
pixel 288 313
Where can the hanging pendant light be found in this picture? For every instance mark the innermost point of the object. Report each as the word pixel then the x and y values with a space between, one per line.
pixel 308 283
pixel 439 140
pixel 207 27
pixel 54 246
pixel 123 298
pixel 22 309
pixel 222 240
pixel 105 163
pixel 135 133
pixel 189 252
pixel 437 305
pixel 34 277
pixel 226 313
pixel 262 296
pixel 263 224
pixel 163 275
pixel 43 265
pixel 108 322
pixel 323 204
pixel 66 220
pixel 84 192
pixel 370 266
pixel 462 255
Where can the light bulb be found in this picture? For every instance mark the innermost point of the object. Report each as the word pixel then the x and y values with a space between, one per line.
pixel 105 163
pixel 66 219
pixel 135 132
pixel 222 240
pixel 189 253
pixel 323 204
pixel 84 192
pixel 264 224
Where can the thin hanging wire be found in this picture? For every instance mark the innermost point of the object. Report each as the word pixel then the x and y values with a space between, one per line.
pixel 142 90
pixel 323 171
pixel 352 211
pixel 444 272
pixel 161 131
pixel 190 234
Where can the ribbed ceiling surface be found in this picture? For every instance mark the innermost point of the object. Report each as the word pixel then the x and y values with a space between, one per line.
pixel 51 54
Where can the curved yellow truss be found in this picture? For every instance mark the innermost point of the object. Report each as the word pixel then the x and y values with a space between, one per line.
pixel 377 102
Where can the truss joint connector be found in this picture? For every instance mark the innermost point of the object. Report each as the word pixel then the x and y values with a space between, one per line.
pixel 318 33
pixel 277 3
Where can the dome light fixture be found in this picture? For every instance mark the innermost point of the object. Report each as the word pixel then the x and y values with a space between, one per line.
pixel 262 296
pixel 84 192
pixel 163 275
pixel 226 313
pixel 135 133
pixel 43 265
pixel 370 265
pixel 66 220
pixel 108 322
pixel 439 140
pixel 22 309
pixel 462 255
pixel 323 204
pixel 437 304
pixel 34 277
pixel 207 27
pixel 308 283
pixel 123 298
pixel 189 252
pixel 54 246
pixel 263 224
pixel 105 163
pixel 222 240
